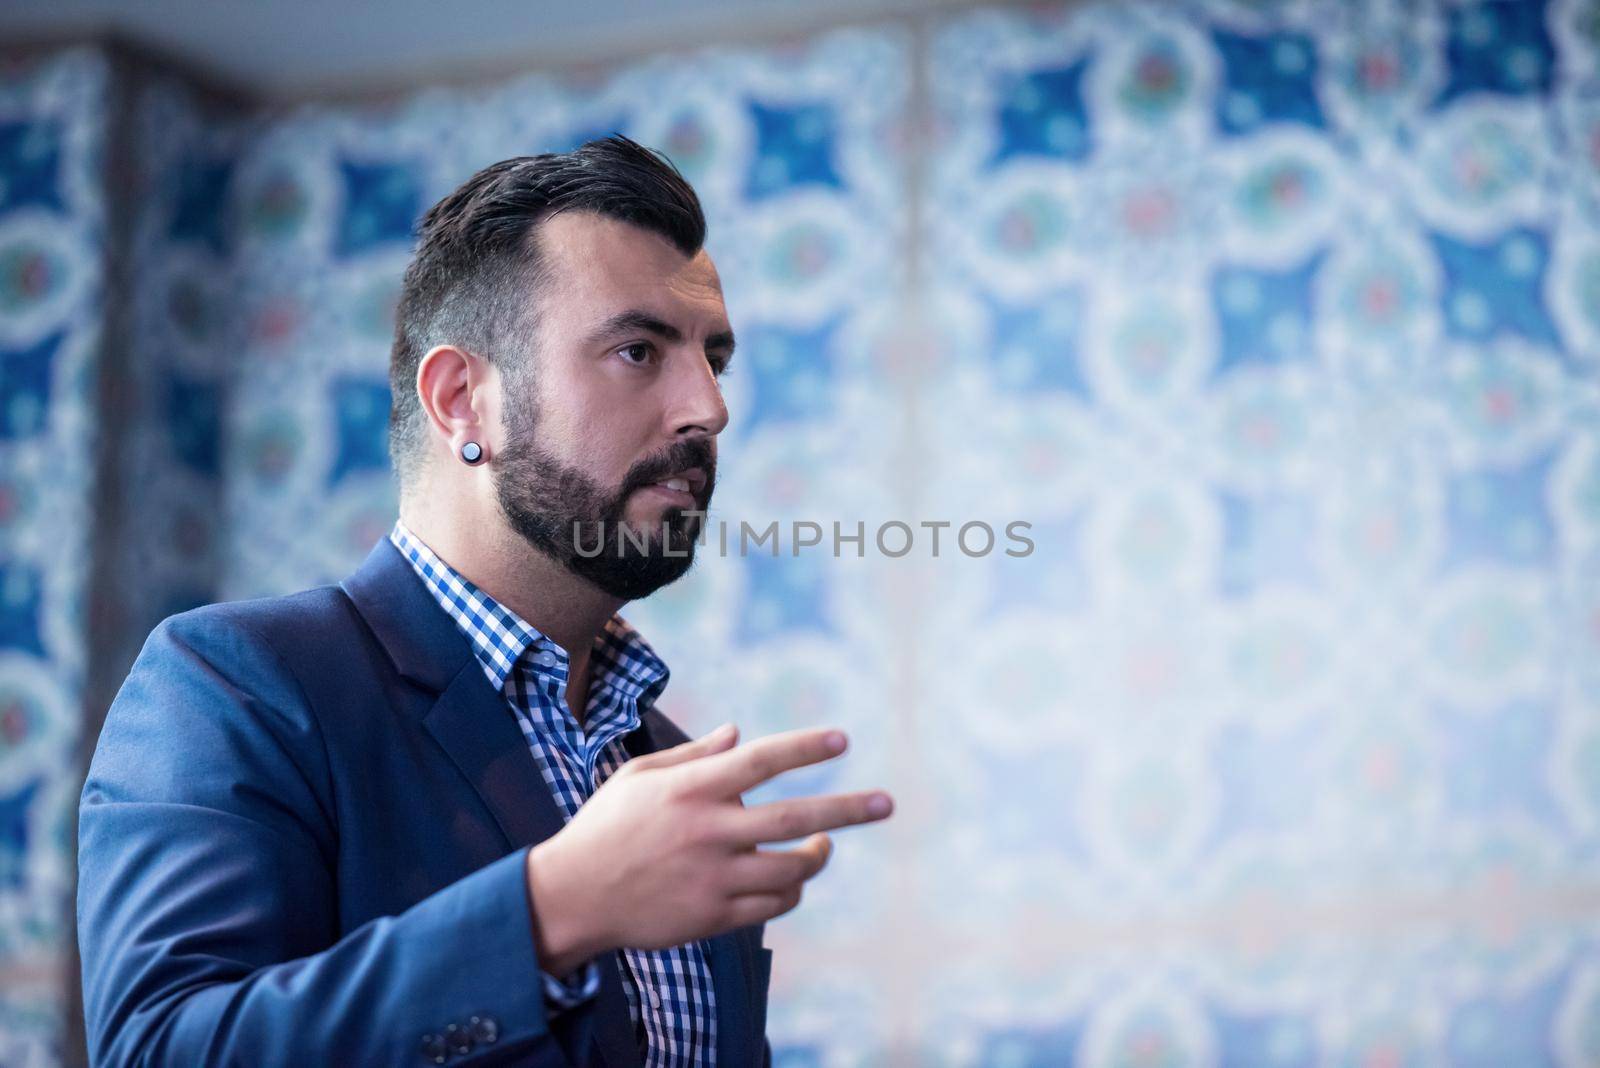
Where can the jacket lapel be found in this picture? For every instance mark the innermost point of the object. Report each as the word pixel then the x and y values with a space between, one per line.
pixel 470 722
pixel 469 719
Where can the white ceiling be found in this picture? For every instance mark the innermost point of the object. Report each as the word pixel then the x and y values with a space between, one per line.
pixel 289 48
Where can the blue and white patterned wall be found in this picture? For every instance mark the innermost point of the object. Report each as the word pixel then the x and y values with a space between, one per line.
pixel 1280 322
pixel 52 247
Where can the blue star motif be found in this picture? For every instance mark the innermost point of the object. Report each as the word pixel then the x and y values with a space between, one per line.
pixel 1267 1040
pixel 1042 113
pixel 381 203
pixel 1033 1047
pixel 21 603
pixel 199 213
pixel 1032 813
pixel 1269 780
pixel 361 413
pixel 1051 577
pixel 1513 1028
pixel 193 422
pixel 1496 288
pixel 1493 762
pixel 1266 540
pixel 1500 515
pixel 809 1055
pixel 1497 46
pixel 794 146
pixel 1264 316
pixel 1035 345
pixel 30 165
pixel 791 371
pixel 1270 78
pixel 785 593
pixel 25 376
pixel 14 808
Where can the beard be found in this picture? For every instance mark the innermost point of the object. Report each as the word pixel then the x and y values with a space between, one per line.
pixel 575 521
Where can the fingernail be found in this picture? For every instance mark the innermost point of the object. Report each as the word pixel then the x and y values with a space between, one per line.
pixel 879 806
pixel 722 731
pixel 836 741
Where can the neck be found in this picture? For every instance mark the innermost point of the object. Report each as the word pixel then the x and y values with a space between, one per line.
pixel 569 610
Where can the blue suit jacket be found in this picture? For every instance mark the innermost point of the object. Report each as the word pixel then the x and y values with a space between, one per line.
pixel 302 841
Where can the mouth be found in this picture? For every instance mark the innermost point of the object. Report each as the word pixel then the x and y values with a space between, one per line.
pixel 684 487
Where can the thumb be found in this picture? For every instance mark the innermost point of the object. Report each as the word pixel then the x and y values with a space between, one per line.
pixel 724 737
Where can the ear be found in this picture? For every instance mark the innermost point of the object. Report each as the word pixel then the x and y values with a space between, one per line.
pixel 455 389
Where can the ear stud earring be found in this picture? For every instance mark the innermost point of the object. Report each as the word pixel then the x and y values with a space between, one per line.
pixel 472 454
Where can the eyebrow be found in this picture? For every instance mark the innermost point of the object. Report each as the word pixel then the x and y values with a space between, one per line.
pixel 629 321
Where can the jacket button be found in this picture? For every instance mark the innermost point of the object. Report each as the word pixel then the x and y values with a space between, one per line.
pixel 485 1029
pixel 434 1049
pixel 458 1040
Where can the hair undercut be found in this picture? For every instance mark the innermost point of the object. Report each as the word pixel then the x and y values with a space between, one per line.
pixel 474 278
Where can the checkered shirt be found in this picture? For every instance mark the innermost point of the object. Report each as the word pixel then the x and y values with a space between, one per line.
pixel 669 991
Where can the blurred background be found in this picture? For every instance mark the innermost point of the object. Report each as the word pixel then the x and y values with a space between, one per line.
pixel 1278 321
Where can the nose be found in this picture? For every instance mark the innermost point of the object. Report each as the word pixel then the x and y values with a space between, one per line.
pixel 697 404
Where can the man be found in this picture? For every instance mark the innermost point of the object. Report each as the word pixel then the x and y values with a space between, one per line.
pixel 431 814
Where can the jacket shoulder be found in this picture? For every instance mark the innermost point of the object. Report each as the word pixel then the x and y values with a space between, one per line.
pixel 311 624
pixel 319 608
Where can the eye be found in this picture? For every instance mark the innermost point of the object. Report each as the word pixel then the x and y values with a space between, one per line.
pixel 638 353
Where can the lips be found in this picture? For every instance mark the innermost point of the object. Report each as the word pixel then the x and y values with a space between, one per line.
pixel 691 481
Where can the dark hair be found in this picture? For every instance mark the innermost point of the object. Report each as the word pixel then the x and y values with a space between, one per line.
pixel 477 263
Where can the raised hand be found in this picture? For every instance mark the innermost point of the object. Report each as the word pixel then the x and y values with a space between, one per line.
pixel 665 852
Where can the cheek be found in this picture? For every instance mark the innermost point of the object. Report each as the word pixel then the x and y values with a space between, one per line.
pixel 594 449
pixel 609 439
pixel 595 428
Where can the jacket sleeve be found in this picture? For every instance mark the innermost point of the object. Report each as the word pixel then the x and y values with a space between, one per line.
pixel 207 919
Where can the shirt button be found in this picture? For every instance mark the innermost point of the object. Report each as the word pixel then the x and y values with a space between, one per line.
pixel 655 997
pixel 545 660
pixel 434 1048
pixel 485 1029
pixel 458 1039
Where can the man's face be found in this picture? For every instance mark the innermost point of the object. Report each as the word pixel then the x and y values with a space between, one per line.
pixel 612 422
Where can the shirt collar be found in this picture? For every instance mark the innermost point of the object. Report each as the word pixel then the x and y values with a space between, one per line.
pixel 621 659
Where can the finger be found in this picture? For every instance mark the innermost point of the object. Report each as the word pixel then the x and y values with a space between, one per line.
pixel 818 849
pixel 750 765
pixel 772 871
pixel 724 737
pixel 781 821
pixel 748 909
